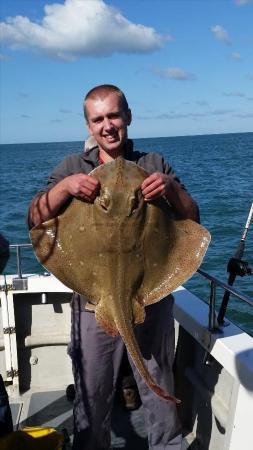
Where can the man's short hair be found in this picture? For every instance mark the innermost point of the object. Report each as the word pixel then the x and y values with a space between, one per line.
pixel 102 91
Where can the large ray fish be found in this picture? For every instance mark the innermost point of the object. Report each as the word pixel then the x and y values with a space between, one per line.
pixel 121 252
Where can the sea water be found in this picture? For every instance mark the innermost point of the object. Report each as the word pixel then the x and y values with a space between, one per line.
pixel 216 169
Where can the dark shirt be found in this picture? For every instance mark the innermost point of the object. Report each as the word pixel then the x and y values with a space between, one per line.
pixel 86 161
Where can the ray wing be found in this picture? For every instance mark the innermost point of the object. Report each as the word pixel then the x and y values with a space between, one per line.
pixel 69 247
pixel 173 251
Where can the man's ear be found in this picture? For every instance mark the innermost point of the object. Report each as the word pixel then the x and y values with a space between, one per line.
pixel 129 116
pixel 88 127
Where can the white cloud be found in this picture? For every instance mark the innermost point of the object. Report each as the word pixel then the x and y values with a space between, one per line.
pixel 174 73
pixel 201 102
pixel 221 34
pixel 3 57
pixel 23 94
pixel 236 56
pixel 244 115
pixel 192 114
pixel 243 2
pixel 80 28
pixel 65 111
pixel 234 94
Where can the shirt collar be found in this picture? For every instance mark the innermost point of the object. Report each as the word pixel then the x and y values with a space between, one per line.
pixel 91 151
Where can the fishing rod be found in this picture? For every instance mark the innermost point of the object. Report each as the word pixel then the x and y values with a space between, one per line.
pixel 236 266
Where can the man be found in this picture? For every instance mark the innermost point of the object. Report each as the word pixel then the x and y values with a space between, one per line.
pixel 96 356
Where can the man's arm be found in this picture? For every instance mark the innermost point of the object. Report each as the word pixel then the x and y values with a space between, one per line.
pixel 46 205
pixel 162 185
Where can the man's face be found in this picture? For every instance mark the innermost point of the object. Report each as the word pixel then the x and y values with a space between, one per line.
pixel 107 121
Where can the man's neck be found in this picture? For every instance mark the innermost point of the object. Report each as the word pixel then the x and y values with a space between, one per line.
pixel 106 157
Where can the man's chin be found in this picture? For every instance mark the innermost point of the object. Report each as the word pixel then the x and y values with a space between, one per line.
pixel 113 148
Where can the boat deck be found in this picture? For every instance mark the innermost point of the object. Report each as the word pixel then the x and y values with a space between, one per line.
pixel 214 369
pixel 53 409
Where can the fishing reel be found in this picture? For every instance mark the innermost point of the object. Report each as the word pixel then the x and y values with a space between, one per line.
pixel 238 267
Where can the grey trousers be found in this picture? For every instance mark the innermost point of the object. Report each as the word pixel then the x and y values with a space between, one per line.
pixel 96 359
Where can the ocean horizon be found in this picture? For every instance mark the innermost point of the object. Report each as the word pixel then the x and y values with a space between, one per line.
pixel 130 137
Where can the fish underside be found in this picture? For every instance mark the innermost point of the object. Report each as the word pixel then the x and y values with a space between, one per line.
pixel 121 253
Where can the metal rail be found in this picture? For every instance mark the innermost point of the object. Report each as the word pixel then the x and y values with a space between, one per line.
pixel 213 324
pixel 18 248
pixel 226 287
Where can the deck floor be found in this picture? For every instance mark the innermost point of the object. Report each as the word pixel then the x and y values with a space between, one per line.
pixel 53 409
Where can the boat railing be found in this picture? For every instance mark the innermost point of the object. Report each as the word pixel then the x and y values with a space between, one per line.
pixel 213 325
pixel 20 283
pixel 18 248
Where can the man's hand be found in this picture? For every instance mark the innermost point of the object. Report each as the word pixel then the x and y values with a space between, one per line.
pixel 47 205
pixel 82 186
pixel 162 185
pixel 156 185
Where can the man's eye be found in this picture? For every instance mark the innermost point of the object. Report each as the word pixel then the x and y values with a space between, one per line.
pixel 114 115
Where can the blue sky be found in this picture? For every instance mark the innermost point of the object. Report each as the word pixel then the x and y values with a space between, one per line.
pixel 185 66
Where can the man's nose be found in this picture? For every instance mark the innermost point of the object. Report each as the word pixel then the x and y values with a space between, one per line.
pixel 108 125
